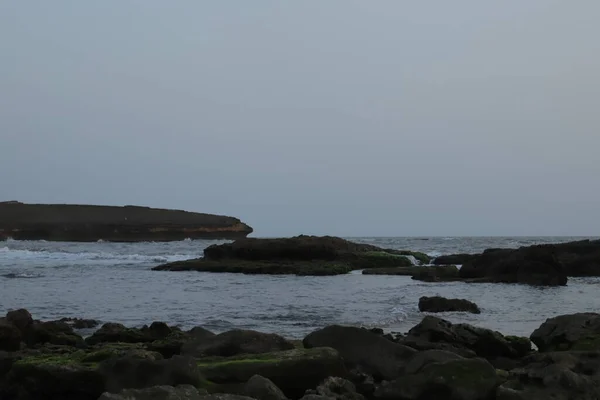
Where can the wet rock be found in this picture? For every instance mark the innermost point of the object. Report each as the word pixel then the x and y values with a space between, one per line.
pixel 454 259
pixel 79 323
pixel 10 336
pixel 565 375
pixel 536 265
pixel 20 318
pixel 236 342
pixel 112 333
pixel 133 371
pixel 225 396
pixel 261 388
pixel 338 388
pixel 446 273
pixel 52 332
pixel 293 371
pixel 484 342
pixel 579 331
pixel 441 304
pixel 463 379
pixel 423 358
pixel 181 392
pixel 378 356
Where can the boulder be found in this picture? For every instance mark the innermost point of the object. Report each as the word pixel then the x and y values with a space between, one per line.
pixel 79 323
pixel 423 358
pixel 565 375
pixel 441 304
pixel 135 371
pixel 112 333
pixel 529 265
pixel 181 392
pixel 378 356
pixel 293 371
pixel 52 332
pixel 484 342
pixel 236 342
pixel 579 331
pixel 10 336
pixel 261 388
pixel 462 379
pixel 454 259
pixel 20 318
pixel 338 388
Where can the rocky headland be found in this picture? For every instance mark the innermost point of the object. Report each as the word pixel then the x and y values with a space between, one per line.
pixel 434 360
pixel 300 255
pixel 88 223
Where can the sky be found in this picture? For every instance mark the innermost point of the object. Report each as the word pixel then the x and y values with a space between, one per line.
pixel 341 117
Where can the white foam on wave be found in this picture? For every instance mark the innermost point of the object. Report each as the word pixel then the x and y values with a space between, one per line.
pixel 9 254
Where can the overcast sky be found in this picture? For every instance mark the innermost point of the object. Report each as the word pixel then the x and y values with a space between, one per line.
pixel 338 117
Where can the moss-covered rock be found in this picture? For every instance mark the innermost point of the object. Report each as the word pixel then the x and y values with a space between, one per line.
pixel 378 259
pixel 463 379
pixel 293 371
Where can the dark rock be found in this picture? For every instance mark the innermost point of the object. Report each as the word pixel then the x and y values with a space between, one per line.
pixel 534 265
pixel 463 379
pixel 484 342
pixel 236 342
pixel 421 345
pixel 10 336
pixel 157 330
pixel 424 273
pixel 565 375
pixel 52 332
pixel 225 396
pixel 112 333
pixel 140 372
pixel 20 318
pixel 377 355
pixel 454 259
pixel 293 371
pixel 441 304
pixel 569 332
pixel 181 392
pixel 339 389
pixel 261 388
pixel 84 223
pixel 423 358
pixel 79 323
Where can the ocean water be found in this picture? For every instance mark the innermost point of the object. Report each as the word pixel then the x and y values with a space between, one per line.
pixel 114 282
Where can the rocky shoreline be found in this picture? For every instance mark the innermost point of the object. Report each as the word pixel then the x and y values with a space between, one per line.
pixel 542 265
pixel 89 223
pixel 434 360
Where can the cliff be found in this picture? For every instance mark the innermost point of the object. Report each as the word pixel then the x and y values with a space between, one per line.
pixel 85 223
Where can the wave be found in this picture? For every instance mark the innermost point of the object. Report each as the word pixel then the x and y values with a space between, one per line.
pixel 9 254
pixel 22 275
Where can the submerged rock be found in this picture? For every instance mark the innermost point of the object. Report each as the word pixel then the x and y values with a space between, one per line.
pixel 441 304
pixel 569 332
pixel 423 273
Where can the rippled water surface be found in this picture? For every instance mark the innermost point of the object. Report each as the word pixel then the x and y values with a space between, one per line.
pixel 113 282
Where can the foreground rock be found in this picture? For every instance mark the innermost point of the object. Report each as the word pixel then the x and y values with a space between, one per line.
pixel 441 304
pixel 181 392
pixel 558 376
pixel 461 379
pixel 485 343
pixel 569 332
pixel 84 223
pixel 375 354
pixel 300 255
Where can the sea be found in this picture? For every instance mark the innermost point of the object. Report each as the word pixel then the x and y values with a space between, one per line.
pixel 113 282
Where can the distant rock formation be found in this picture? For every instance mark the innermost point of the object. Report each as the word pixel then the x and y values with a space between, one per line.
pixel 87 223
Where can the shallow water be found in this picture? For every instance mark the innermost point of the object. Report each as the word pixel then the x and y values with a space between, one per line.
pixel 113 282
